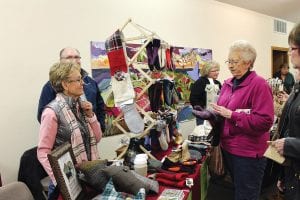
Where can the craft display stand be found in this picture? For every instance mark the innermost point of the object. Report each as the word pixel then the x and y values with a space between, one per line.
pixel 147 36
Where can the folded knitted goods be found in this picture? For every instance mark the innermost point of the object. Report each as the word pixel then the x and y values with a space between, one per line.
pixel 174 180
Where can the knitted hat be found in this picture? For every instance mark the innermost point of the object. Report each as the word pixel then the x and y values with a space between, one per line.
pixel 208 66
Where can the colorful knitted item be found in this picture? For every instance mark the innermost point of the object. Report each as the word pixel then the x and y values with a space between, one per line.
pixel 115 52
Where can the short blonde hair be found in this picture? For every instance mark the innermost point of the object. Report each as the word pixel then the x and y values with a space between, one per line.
pixel 60 72
pixel 247 51
pixel 208 66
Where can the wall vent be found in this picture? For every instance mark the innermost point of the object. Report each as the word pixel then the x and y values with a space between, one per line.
pixel 279 26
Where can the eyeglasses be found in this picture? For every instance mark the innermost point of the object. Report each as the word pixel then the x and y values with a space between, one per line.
pixel 71 57
pixel 232 62
pixel 293 48
pixel 79 81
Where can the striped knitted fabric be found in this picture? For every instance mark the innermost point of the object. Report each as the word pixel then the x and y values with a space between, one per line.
pixel 76 137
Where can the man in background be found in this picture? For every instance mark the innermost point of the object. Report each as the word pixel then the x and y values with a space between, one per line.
pixel 91 91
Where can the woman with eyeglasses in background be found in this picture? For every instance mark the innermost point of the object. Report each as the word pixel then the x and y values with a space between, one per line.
pixel 67 119
pixel 246 105
pixel 207 87
pixel 289 128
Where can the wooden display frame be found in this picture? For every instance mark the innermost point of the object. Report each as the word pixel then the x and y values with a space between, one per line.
pixel 63 162
pixel 147 36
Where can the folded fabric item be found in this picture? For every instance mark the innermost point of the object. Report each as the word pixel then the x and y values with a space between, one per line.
pixel 174 180
pixel 122 90
pixel 124 180
pixel 179 184
pixel 110 193
pixel 151 185
pixel 93 173
pixel 172 176
pixel 133 119
pixel 198 147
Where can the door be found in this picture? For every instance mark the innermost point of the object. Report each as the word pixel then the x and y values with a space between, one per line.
pixel 279 56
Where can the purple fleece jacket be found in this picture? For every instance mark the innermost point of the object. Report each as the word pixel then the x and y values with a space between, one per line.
pixel 247 134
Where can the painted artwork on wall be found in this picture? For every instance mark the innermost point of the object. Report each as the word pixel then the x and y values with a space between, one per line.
pixel 99 59
pixel 187 58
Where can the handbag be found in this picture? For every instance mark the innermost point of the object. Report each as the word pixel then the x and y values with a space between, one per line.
pixel 215 162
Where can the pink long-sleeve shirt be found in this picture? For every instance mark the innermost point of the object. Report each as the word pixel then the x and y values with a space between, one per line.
pixel 47 135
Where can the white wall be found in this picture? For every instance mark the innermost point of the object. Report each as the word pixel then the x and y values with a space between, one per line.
pixel 32 33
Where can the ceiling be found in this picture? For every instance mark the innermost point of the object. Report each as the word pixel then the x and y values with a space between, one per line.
pixel 288 10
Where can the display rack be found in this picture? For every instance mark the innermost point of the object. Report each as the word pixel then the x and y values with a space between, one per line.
pixel 146 36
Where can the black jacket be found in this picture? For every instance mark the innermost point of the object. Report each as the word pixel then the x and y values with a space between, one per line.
pixel 198 94
pixel 31 172
pixel 289 128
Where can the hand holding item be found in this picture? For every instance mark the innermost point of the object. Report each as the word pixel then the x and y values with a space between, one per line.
pixel 221 110
pixel 282 96
pixel 278 145
pixel 87 108
pixel 273 153
pixel 198 111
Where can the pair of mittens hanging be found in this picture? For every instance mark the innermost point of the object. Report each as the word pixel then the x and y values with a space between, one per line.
pixel 152 54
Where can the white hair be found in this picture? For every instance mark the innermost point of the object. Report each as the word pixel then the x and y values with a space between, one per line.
pixel 247 51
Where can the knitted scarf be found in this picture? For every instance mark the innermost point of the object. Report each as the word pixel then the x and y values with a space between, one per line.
pixel 77 141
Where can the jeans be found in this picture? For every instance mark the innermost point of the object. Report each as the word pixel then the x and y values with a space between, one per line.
pixel 52 191
pixel 247 175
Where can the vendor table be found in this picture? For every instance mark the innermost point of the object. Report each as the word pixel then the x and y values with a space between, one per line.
pixel 198 190
pixel 193 193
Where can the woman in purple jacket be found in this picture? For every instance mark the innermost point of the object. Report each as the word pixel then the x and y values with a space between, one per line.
pixel 246 104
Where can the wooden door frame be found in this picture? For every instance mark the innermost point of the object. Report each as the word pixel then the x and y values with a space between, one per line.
pixel 284 49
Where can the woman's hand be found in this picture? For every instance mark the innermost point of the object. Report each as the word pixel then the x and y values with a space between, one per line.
pixel 282 96
pixel 87 108
pixel 279 145
pixel 221 110
pixel 280 185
